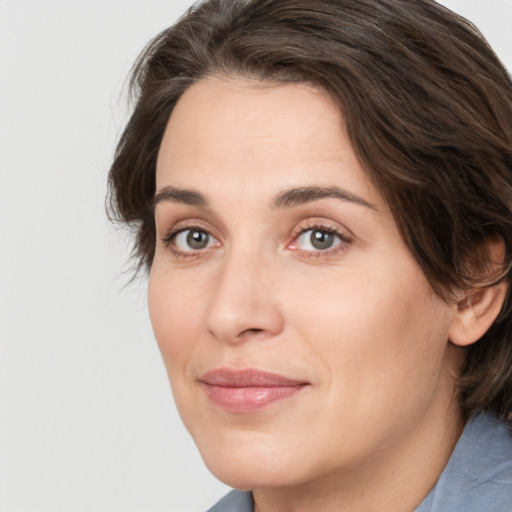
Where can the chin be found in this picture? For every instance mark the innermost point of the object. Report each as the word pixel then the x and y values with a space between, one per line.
pixel 252 474
pixel 252 462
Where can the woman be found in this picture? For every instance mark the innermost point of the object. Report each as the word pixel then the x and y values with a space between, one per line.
pixel 322 194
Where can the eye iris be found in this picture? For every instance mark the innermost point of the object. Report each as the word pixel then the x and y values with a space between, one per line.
pixel 197 239
pixel 321 239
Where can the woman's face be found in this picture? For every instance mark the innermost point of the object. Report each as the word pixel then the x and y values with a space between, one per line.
pixel 300 336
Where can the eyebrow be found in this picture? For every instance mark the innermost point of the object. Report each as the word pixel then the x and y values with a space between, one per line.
pixel 180 195
pixel 286 199
pixel 301 195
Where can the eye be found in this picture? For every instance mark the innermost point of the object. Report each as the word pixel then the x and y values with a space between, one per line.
pixel 192 239
pixel 316 239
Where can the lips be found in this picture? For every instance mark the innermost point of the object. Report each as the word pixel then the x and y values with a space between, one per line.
pixel 248 390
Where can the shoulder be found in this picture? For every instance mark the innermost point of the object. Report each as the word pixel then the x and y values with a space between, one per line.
pixel 235 501
pixel 488 461
pixel 478 475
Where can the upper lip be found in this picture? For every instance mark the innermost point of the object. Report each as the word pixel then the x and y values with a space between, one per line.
pixel 249 377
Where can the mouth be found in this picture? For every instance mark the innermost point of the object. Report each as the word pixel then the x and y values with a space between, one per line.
pixel 248 390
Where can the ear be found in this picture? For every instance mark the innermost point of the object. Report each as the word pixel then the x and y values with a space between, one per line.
pixel 477 308
pixel 475 313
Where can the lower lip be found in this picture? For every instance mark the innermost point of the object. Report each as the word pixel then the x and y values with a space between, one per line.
pixel 249 399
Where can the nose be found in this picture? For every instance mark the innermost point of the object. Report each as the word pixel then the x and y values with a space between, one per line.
pixel 244 304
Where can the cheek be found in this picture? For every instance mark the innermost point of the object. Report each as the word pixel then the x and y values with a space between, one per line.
pixel 381 338
pixel 175 314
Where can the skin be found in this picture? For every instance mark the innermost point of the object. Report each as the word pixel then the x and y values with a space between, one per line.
pixel 357 321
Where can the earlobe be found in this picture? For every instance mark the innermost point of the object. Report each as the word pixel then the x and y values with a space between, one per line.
pixel 475 313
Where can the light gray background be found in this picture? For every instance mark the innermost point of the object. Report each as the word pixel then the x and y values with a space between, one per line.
pixel 86 417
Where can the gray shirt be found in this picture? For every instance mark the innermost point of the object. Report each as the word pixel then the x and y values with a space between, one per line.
pixel 477 478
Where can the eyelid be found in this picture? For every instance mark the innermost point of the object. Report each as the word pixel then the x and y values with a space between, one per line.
pixel 173 233
pixel 345 236
pixel 166 233
pixel 169 236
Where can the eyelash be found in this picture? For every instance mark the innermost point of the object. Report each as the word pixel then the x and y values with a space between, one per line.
pixel 169 239
pixel 344 241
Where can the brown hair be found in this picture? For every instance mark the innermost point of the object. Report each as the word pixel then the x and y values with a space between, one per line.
pixel 428 106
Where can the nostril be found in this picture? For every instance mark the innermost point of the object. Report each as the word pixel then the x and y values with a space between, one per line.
pixel 251 332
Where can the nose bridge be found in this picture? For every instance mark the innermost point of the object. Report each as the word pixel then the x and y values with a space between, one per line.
pixel 244 304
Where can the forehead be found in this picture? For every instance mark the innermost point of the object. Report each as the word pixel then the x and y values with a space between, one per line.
pixel 249 133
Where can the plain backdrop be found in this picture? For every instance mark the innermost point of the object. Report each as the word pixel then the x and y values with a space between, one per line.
pixel 87 421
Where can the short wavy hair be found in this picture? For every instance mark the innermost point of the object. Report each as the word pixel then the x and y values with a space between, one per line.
pixel 427 104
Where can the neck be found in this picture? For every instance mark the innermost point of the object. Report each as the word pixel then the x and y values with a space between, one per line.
pixel 396 477
pixel 396 483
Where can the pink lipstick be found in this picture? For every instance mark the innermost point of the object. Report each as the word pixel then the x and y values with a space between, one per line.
pixel 248 390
